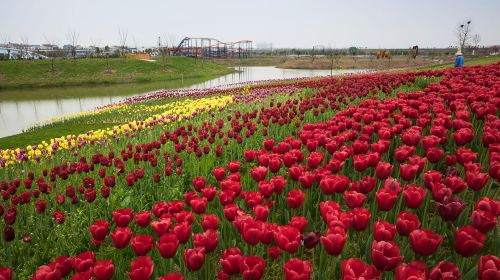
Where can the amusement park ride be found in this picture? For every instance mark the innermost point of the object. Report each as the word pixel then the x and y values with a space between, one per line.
pixel 212 48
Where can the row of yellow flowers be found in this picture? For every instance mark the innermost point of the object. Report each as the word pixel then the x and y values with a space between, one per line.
pixel 172 111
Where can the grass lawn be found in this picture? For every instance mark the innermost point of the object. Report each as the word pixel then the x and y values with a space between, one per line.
pixel 468 62
pixel 21 140
pixel 71 72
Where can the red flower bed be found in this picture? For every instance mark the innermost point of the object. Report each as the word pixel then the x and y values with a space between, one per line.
pixel 398 187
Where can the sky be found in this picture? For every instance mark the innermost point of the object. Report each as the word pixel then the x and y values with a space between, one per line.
pixel 284 23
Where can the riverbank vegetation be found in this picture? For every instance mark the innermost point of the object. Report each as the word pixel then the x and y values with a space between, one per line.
pixel 102 71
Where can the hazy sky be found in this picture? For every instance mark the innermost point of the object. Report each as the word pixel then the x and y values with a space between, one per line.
pixel 285 23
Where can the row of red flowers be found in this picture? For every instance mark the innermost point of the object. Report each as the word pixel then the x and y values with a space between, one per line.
pixel 422 122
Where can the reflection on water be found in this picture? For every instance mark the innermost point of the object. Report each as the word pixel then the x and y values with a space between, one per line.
pixel 15 116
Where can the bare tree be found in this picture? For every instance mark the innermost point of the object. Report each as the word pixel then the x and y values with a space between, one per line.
pixel 122 37
pixel 5 39
pixel 24 46
pixel 475 40
pixel 52 53
pixel 95 44
pixel 463 34
pixel 72 37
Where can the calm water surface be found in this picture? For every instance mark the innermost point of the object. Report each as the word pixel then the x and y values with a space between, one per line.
pixel 18 115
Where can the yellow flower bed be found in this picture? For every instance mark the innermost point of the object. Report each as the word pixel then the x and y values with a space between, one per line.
pixel 179 109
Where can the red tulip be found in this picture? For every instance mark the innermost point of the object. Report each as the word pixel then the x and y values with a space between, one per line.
pixel 252 267
pixel 141 268
pixel 142 244
pixel 83 261
pixel 209 193
pixel 249 155
pixel 90 195
pixel 261 212
pixel 172 276
pixel 161 226
pixel 121 237
pixel 411 137
pixel 408 171
pixel 483 221
pixel 183 232
pixel 194 258
pixel 401 154
pixel 468 241
pixel 208 240
pixel 278 183
pixel 385 255
pixel 386 199
pixel 311 239
pixel 199 183
pixel 434 155
pixel 143 218
pixel 99 230
pixel 287 238
pixel 334 184
pixel 384 231
pixel 5 273
pixel 406 223
pixel 103 270
pixel 430 141
pixel 122 217
pixel 413 196
pixel 295 172
pixel 167 245
pixel 198 204
pixel 274 164
pixel 463 136
pixel 424 241
pixel 445 270
pixel 230 260
pixel 414 270
pixel 306 180
pixel 219 173
pixel 334 239
pixel 259 173
pixel 366 185
pixel 450 209
pixel 268 144
pixel 209 221
pixel 295 198
pixel 314 159
pixel 383 170
pixel 234 166
pixel 354 199
pixel 489 205
pixel 46 272
pixel 476 180
pixel 488 268
pixel 274 252
pixel 252 231
pixel 58 216
pixel 296 269
pixel 353 269
pixel 298 222
pixel 360 218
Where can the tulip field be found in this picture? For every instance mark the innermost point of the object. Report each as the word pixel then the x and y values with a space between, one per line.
pixel 370 176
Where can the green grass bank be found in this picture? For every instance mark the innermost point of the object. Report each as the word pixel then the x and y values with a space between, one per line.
pixel 15 74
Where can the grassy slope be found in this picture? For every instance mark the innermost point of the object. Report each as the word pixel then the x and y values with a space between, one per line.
pixel 468 62
pixel 21 140
pixel 68 72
